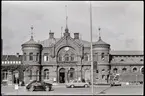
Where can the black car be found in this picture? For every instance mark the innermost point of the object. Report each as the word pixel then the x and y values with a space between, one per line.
pixel 39 86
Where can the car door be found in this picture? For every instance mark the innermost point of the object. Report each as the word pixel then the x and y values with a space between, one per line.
pixel 80 83
pixel 75 83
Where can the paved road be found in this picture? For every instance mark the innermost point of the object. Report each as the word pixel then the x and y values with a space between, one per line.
pixel 62 90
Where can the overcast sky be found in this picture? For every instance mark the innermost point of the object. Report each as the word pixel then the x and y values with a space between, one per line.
pixel 121 22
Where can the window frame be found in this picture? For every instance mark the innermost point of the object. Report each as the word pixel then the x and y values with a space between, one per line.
pixel 46 74
pixel 25 57
pixel 31 56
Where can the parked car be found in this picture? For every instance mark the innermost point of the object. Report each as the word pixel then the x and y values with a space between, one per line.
pixel 39 86
pixel 116 83
pixel 76 83
pixel 115 80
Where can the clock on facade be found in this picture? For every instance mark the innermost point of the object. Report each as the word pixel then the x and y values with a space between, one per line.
pixel 66 48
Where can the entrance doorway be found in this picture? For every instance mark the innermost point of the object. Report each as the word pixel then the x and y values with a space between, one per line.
pixel 16 77
pixel 62 75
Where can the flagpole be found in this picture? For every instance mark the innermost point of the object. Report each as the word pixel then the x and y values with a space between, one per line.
pixel 91 48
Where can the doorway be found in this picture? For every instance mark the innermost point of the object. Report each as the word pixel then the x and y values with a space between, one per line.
pixel 16 77
pixel 62 75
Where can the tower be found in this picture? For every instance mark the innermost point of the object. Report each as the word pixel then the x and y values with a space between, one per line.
pixel 31 57
pixel 101 53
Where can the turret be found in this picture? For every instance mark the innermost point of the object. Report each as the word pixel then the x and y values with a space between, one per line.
pixel 31 51
pixel 101 56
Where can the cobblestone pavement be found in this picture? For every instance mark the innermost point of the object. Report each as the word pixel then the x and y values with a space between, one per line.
pixel 62 90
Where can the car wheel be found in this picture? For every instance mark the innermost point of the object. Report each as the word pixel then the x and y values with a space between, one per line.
pixel 31 88
pixel 85 85
pixel 72 86
pixel 47 88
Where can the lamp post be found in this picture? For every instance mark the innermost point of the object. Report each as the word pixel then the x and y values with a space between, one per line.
pixel 91 48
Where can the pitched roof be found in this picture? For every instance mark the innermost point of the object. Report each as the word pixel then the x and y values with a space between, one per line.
pixel 85 43
pixel 121 52
pixel 11 58
pixel 48 42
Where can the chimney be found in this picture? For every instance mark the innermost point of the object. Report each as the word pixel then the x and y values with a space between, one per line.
pixel 51 35
pixel 17 54
pixel 76 35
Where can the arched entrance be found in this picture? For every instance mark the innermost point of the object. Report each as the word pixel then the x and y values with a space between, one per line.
pixel 16 77
pixel 62 75
pixel 87 75
pixel 71 74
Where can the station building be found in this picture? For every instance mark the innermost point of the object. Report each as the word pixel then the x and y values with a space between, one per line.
pixel 68 58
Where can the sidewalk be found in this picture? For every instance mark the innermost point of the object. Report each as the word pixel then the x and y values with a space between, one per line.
pixel 58 85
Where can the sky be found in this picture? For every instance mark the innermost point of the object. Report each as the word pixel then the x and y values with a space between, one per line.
pixel 121 22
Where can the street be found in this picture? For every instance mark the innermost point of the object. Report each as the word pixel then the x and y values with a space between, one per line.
pixel 62 90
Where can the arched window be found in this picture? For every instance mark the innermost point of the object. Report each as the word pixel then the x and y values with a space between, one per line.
pixel 86 57
pixel 122 60
pixel 4 75
pixel 30 56
pixel 72 57
pixel 30 74
pixel 102 56
pixel 142 70
pixel 37 74
pixel 46 58
pixel 37 57
pixel 71 73
pixel 124 70
pixel 46 74
pixel 59 57
pixel 25 57
pixel 96 55
pixel 115 70
pixel 66 57
pixel 134 69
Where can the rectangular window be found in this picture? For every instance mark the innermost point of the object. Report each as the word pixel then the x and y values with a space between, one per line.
pixel 24 56
pixel 37 57
pixel 5 75
pixel 31 56
pixel 46 58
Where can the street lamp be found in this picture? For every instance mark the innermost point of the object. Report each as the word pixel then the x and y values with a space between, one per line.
pixel 91 47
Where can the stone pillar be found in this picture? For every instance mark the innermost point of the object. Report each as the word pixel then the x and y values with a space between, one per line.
pixel 66 71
